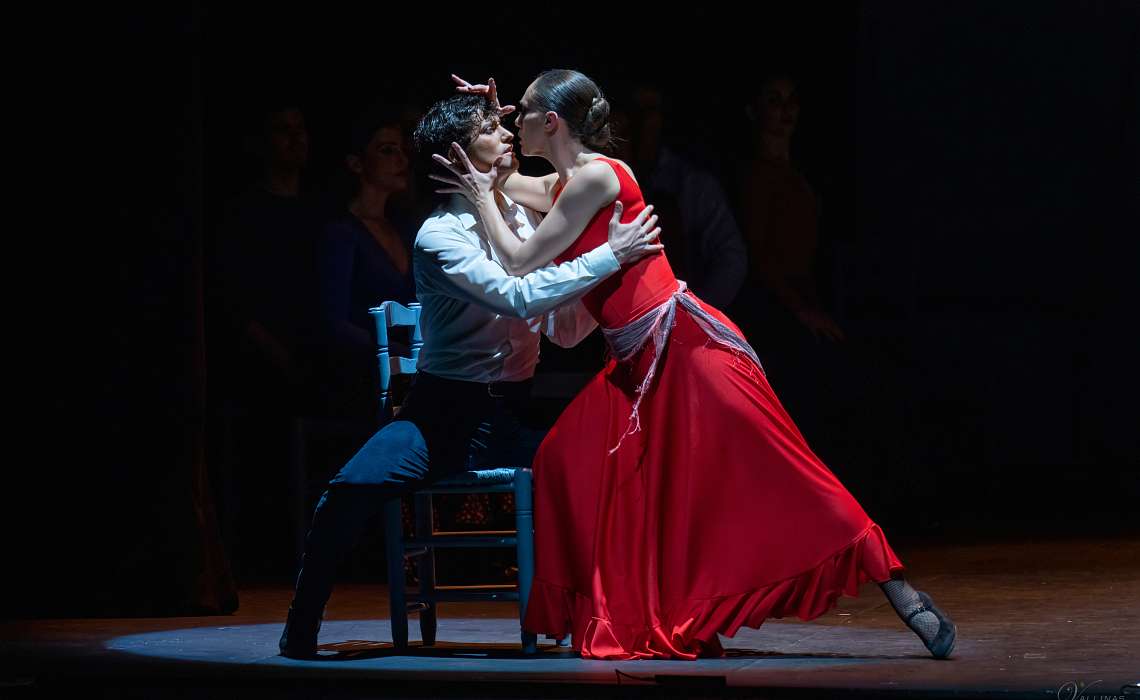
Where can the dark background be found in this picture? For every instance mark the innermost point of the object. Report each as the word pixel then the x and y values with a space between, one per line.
pixel 978 164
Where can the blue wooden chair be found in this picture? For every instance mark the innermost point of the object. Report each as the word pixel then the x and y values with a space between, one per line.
pixel 422 546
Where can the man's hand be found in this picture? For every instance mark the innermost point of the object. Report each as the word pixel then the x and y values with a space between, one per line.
pixel 489 90
pixel 633 241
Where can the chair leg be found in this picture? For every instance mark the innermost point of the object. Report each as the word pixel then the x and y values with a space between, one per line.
pixel 524 530
pixel 426 565
pixel 394 546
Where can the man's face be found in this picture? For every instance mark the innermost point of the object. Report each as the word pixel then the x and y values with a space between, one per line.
pixel 778 107
pixel 287 138
pixel 491 141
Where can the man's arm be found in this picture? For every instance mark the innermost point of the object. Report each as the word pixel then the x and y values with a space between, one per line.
pixel 448 263
pixel 569 325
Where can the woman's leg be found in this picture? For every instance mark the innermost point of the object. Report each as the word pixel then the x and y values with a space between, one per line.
pixel 935 629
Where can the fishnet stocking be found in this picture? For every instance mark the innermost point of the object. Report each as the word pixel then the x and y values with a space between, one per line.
pixel 905 601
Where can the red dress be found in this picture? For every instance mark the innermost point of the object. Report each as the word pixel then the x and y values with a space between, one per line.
pixel 714 514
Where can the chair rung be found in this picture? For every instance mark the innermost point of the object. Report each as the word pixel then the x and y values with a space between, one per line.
pixel 506 533
pixel 490 488
pixel 462 594
pixel 476 541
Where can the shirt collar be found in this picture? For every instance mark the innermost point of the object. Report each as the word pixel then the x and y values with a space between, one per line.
pixel 461 208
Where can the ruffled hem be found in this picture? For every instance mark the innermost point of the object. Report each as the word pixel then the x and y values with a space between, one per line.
pixel 554 610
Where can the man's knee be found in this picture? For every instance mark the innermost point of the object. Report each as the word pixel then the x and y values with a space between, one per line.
pixel 396 454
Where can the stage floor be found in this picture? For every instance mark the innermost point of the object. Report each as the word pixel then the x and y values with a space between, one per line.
pixel 1038 618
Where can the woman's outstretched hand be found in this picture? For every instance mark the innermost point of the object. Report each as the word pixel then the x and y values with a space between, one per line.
pixel 468 181
pixel 489 90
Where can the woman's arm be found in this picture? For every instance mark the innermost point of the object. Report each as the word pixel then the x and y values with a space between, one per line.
pixel 592 188
pixel 535 193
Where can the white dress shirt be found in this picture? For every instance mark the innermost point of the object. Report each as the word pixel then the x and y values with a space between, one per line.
pixel 481 324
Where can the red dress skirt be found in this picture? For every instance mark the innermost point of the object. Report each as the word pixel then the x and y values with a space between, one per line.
pixel 714 513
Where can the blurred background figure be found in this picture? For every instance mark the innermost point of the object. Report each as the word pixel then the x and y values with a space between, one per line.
pixel 263 332
pixel 780 214
pixel 266 265
pixel 364 258
pixel 781 309
pixel 699 231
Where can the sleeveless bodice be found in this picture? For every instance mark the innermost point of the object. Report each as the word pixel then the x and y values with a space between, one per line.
pixel 635 288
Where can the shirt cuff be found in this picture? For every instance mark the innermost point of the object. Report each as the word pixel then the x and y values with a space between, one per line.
pixel 602 260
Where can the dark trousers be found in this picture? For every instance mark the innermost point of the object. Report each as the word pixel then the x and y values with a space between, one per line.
pixel 444 426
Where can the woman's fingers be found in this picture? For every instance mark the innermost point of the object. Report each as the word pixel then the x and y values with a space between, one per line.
pixel 447 164
pixel 463 155
pixel 461 162
pixel 442 161
pixel 464 86
pixel 446 180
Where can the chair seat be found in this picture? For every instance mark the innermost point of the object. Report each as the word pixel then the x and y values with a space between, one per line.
pixel 479 477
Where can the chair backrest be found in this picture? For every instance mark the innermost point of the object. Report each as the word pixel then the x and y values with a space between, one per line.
pixel 388 315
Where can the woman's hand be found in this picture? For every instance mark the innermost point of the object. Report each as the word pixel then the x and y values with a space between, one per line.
pixel 473 184
pixel 489 90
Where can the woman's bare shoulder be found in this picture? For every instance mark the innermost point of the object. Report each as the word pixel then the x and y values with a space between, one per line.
pixel 594 176
pixel 624 165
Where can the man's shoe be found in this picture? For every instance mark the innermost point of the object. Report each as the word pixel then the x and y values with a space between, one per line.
pixel 299 639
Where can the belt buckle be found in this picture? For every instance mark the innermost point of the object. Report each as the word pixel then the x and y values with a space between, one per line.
pixel 491 392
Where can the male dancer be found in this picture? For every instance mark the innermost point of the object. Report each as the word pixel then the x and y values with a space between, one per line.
pixel 481 338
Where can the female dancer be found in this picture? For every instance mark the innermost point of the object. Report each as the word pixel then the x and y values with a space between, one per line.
pixel 675 499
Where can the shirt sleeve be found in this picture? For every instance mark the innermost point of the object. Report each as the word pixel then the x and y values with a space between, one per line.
pixel 569 325
pixel 447 262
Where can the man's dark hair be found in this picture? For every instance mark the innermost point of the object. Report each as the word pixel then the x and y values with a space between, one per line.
pixel 456 118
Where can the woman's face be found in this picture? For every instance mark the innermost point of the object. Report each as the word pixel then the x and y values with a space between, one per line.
pixel 491 141
pixel 384 164
pixel 530 123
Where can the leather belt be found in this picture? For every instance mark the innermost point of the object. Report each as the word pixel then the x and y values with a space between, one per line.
pixel 496 390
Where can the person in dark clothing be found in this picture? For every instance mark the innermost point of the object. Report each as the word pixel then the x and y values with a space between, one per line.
pixel 262 318
pixel 364 258
pixel 705 243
